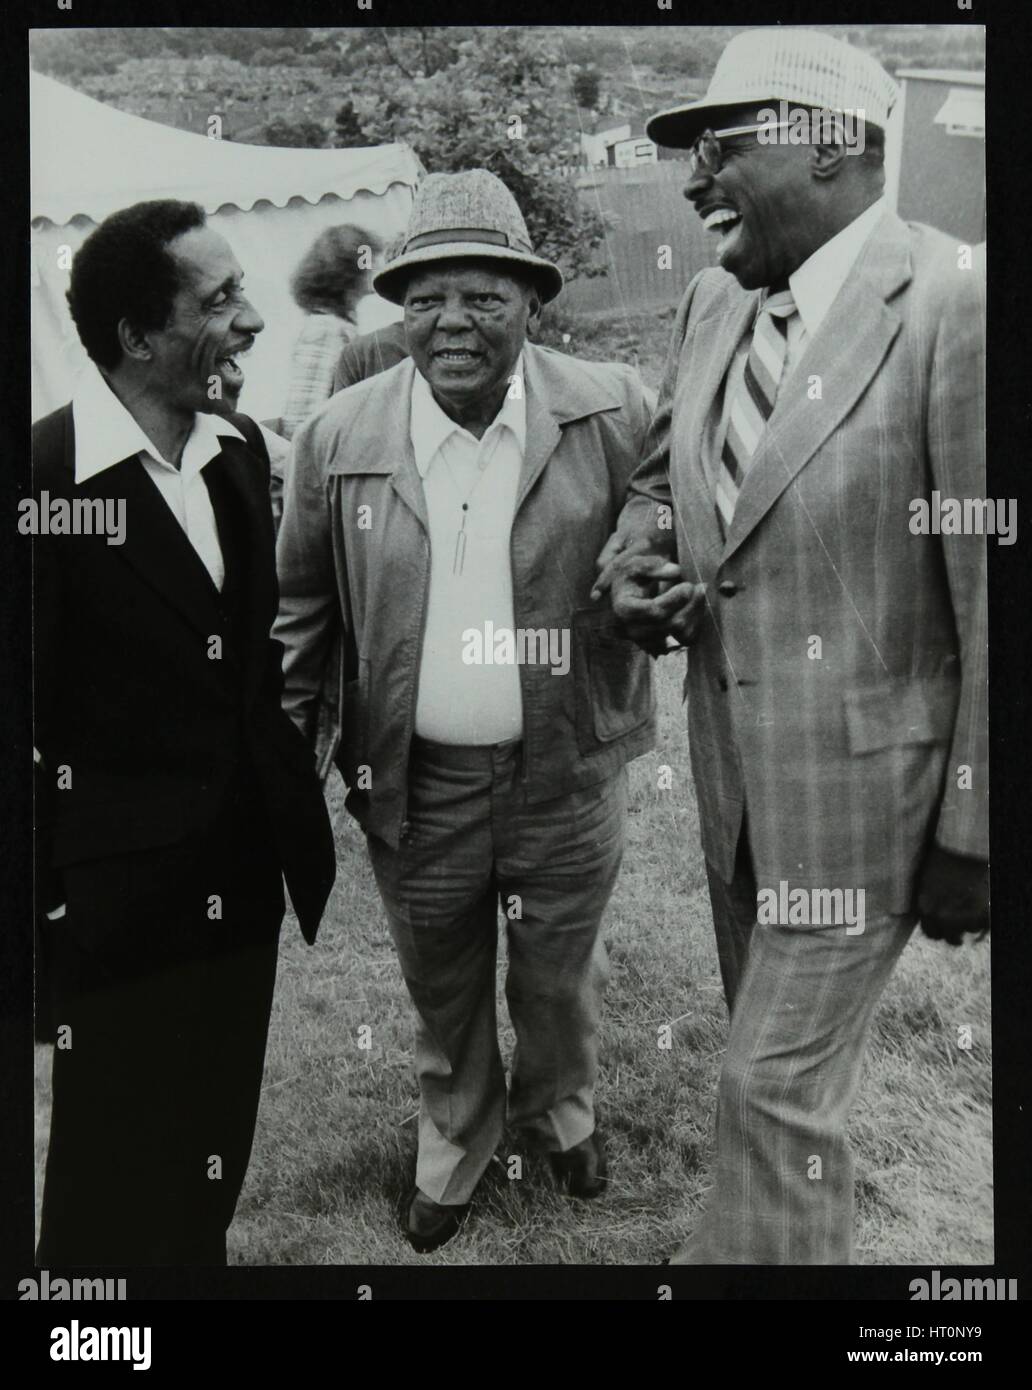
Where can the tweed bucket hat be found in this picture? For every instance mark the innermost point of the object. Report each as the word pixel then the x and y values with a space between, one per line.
pixel 798 66
pixel 456 216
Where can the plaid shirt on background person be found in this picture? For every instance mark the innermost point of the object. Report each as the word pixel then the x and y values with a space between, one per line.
pixel 312 367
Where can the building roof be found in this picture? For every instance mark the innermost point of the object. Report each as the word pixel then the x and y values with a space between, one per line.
pixel 963 76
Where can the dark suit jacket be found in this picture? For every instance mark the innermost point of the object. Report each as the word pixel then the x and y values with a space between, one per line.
pixel 370 354
pixel 154 732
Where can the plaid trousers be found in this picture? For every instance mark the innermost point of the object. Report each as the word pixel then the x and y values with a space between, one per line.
pixel 802 1001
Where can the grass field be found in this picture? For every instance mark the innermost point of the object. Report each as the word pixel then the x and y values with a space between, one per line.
pixel 336 1133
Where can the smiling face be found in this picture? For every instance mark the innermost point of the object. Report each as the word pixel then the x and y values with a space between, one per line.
pixel 211 324
pixel 466 324
pixel 762 204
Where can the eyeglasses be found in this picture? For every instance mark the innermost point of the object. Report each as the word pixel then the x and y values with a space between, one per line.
pixel 707 156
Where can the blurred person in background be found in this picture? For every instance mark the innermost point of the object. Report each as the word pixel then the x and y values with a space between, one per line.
pixel 331 279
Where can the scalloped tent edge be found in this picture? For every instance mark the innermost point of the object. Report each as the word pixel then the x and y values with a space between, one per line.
pixel 88 160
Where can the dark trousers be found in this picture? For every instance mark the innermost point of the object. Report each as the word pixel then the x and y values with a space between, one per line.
pixel 161 1011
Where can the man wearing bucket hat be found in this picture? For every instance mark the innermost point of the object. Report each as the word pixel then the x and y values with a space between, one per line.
pixel 821 384
pixel 436 559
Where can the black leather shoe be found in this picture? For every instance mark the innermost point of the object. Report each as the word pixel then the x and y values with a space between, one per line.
pixel 428 1224
pixel 581 1171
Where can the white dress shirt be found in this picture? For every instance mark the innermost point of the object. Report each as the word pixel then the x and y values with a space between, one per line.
pixel 815 285
pixel 106 433
pixel 459 703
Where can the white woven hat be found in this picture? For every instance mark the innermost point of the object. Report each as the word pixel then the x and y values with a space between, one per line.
pixel 794 65
pixel 460 216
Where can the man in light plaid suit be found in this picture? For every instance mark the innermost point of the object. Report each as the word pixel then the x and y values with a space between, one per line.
pixel 824 380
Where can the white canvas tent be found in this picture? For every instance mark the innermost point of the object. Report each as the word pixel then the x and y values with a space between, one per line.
pixel 89 160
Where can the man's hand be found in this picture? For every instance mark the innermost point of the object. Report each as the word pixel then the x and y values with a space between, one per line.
pixel 614 547
pixel 649 595
pixel 953 896
pixel 613 558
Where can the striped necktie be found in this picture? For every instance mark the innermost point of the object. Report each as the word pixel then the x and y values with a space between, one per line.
pixel 754 400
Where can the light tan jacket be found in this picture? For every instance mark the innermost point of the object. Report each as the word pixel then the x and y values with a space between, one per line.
pixel 353 585
pixel 837 690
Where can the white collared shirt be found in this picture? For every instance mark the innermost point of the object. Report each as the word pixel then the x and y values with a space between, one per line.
pixel 458 702
pixel 106 433
pixel 815 285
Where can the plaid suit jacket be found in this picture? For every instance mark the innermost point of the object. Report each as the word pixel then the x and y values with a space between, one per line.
pixel 837 687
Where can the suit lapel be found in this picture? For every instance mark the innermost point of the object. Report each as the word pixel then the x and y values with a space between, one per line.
pixel 155 545
pixel 710 348
pixel 799 426
pixel 231 479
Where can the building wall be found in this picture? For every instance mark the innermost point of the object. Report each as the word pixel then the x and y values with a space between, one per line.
pixel 942 182
pixel 942 177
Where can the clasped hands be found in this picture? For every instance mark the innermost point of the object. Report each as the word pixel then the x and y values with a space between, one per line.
pixel 649 595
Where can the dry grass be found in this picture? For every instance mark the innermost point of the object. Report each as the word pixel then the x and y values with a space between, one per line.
pixel 336 1134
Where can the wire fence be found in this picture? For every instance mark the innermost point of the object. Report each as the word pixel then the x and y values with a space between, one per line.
pixel 654 241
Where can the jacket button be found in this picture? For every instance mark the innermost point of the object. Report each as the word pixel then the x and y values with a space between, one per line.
pixel 722 682
pixel 727 588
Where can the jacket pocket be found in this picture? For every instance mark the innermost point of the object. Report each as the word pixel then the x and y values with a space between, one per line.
pixel 897 713
pixel 613 681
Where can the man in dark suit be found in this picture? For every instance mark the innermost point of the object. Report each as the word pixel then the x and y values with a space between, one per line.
pixel 176 794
